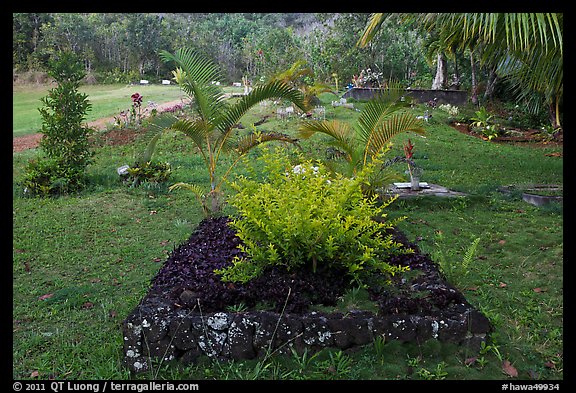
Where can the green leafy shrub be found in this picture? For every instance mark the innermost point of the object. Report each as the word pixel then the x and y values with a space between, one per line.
pixel 300 217
pixel 48 177
pixel 65 140
pixel 151 172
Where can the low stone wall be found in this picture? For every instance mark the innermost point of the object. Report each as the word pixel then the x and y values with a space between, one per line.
pixel 453 97
pixel 157 329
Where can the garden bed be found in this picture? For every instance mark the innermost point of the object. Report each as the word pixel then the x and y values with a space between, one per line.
pixel 513 135
pixel 188 312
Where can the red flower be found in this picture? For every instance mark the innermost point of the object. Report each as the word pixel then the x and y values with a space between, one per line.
pixel 136 99
pixel 408 149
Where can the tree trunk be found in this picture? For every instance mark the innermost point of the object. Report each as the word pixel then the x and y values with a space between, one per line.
pixel 554 113
pixel 492 78
pixel 441 73
pixel 474 92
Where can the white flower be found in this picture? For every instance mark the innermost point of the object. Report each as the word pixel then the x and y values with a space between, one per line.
pixel 298 169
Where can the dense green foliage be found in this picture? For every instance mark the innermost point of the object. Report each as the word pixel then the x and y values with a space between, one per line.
pixel 122 48
pixel 300 216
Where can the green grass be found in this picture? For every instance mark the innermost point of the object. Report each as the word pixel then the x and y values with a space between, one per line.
pixel 95 254
pixel 106 100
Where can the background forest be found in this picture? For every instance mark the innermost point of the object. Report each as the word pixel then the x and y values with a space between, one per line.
pixel 123 48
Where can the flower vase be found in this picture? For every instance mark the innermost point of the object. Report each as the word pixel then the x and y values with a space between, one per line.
pixel 415 183
pixel 415 175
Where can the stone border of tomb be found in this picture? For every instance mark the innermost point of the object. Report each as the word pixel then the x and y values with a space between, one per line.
pixel 161 331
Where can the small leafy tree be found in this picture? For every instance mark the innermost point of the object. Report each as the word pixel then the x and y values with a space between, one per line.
pixel 212 125
pixel 65 139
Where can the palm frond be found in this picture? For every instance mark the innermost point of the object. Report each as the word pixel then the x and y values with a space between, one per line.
pixel 342 135
pixel 247 142
pixel 195 74
pixel 372 27
pixel 393 125
pixel 198 192
pixel 197 67
pixel 146 156
pixel 271 90
pixel 296 71
pixel 196 129
pixel 157 127
pixel 376 111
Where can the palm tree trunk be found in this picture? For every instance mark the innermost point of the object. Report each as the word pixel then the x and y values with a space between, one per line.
pixel 439 82
pixel 474 92
pixel 554 113
pixel 490 86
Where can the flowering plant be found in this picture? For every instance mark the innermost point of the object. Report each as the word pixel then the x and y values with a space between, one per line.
pixel 367 77
pixel 408 153
pixel 450 109
pixel 135 111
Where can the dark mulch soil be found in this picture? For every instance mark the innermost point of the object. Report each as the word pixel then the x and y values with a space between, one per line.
pixel 187 280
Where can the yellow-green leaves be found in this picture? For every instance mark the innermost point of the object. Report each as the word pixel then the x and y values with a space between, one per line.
pixel 302 217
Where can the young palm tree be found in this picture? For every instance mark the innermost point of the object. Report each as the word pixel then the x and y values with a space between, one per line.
pixel 211 128
pixel 381 119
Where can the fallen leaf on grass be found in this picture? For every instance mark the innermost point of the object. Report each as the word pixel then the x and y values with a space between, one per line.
pixel 550 364
pixel 538 290
pixel 502 284
pixel 470 361
pixel 47 296
pixel 555 154
pixel 87 305
pixel 34 374
pixel 509 369
pixel 157 259
pixel 164 242
pixel 472 288
pixel 501 242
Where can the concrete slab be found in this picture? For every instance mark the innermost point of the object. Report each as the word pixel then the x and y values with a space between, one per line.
pixel 404 191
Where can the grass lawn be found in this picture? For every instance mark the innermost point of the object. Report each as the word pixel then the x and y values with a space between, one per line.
pixel 81 263
pixel 106 100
